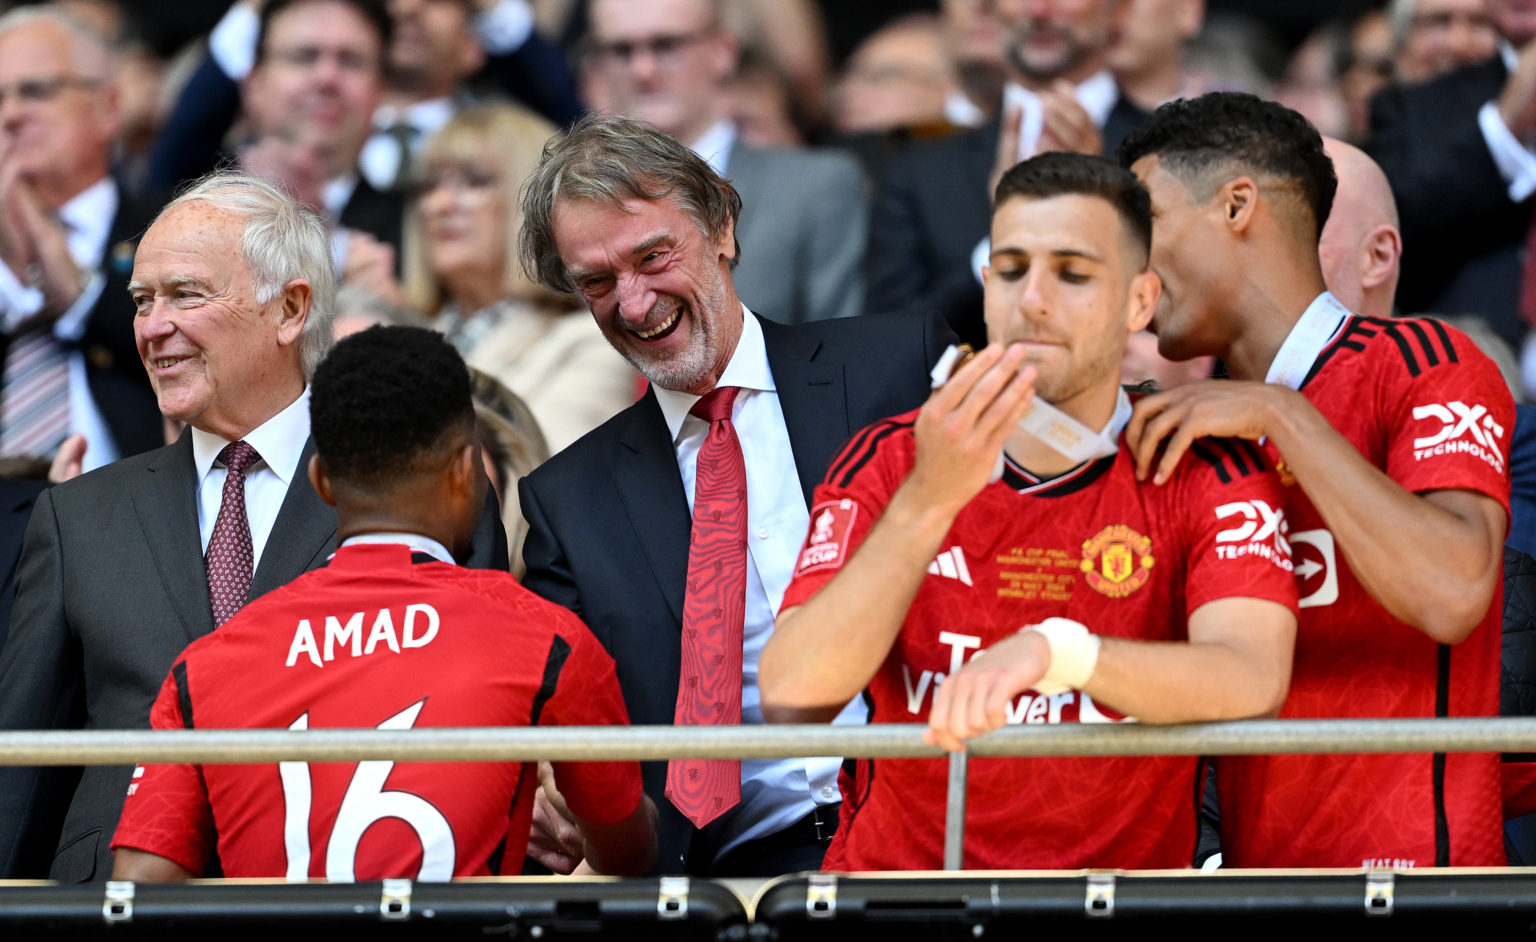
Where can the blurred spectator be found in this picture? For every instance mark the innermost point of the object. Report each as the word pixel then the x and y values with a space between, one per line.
pixel 1142 364
pixel 461 271
pixel 791 35
pixel 439 45
pixel 1310 84
pixel 975 38
pixel 803 226
pixel 1436 36
pixel 1359 247
pixel 511 445
pixel 358 309
pixel 1366 68
pixel 17 494
pixel 761 103
pixel 1455 151
pixel 66 248
pixel 1148 56
pixel 900 77
pixel 933 204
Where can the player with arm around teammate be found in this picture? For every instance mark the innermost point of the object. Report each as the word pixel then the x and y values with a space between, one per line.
pixel 391 634
pixel 1090 597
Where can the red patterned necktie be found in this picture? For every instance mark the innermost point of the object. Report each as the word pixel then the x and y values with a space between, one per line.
pixel 229 555
pixel 714 608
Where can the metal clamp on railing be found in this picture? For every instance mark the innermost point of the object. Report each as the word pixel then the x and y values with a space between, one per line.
pixel 118 905
pixel 395 901
pixel 1378 893
pixel 821 896
pixel 1100 901
pixel 672 902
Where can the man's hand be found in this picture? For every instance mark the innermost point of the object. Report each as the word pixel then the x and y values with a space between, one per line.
pixel 33 245
pixel 1216 407
pixel 1007 147
pixel 553 840
pixel 294 164
pixel 69 463
pixel 975 700
pixel 16 248
pixel 1065 125
pixel 1517 102
pixel 963 426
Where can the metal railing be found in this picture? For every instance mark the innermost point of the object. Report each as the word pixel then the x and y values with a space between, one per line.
pixel 879 741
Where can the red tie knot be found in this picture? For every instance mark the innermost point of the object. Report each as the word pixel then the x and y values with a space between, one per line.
pixel 237 456
pixel 715 405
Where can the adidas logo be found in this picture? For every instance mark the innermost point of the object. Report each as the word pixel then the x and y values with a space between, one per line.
pixel 951 565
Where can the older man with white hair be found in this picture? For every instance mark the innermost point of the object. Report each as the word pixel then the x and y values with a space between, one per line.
pixel 234 291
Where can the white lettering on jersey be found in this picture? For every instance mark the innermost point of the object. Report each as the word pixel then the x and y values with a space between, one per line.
pixel 347 638
pixel 958 645
pixel 1261 533
pixel 1315 557
pixel 1463 430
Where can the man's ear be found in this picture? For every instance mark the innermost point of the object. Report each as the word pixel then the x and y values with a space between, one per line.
pixel 320 480
pixel 725 242
pixel 1381 252
pixel 1146 288
pixel 1239 201
pixel 293 310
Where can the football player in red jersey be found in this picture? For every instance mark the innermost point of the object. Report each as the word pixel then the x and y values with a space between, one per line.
pixel 1393 436
pixel 1056 590
pixel 390 634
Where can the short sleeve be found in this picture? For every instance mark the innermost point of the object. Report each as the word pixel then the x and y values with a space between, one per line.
pixel 167 811
pixel 1232 509
pixel 1451 412
pixel 855 492
pixel 587 693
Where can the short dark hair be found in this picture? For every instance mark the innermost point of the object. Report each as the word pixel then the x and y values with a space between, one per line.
pixel 374 11
pixel 610 159
pixel 385 403
pixel 1238 133
pixel 1060 173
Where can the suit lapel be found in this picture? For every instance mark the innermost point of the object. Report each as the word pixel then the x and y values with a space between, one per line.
pixel 814 399
pixel 303 533
pixel 645 470
pixel 165 500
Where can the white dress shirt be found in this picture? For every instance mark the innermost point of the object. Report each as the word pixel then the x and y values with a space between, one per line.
pixel 775 793
pixel 88 220
pixel 280 443
pixel 715 144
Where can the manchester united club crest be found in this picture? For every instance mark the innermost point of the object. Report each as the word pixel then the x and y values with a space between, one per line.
pixel 1117 561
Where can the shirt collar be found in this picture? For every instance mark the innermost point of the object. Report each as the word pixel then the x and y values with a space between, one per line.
pixel 715 144
pixel 417 542
pixel 1510 56
pixel 1097 94
pixel 337 193
pixel 1318 325
pixel 88 217
pixel 425 116
pixel 279 441
pixel 748 369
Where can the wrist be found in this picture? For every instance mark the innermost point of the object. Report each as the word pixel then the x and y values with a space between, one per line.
pixel 1074 655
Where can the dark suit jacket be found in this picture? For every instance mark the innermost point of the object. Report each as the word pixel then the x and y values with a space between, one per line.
pixel 609 522
pixel 16 498
pixel 113 371
pixel 110 589
pixel 931 209
pixel 1462 236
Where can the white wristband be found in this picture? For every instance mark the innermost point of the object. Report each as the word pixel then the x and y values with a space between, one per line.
pixel 1074 654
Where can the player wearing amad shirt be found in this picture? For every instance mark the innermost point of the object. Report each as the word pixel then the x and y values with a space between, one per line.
pixel 1061 591
pixel 1393 435
pixel 391 635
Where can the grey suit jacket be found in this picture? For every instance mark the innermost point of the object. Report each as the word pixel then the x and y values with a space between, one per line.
pixel 109 590
pixel 804 224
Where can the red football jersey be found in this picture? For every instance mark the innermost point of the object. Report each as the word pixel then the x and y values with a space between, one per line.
pixel 1126 559
pixel 373 640
pixel 1424 405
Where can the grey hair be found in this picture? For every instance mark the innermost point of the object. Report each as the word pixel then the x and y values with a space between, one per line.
pixel 283 241
pixel 90 54
pixel 610 159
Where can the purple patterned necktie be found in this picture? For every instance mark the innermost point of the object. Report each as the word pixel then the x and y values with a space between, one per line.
pixel 229 555
pixel 714 609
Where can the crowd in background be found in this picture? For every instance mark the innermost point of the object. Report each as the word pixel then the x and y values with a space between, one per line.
pixel 863 138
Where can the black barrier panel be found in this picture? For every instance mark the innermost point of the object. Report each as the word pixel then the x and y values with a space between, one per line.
pixel 279 912
pixel 1321 906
